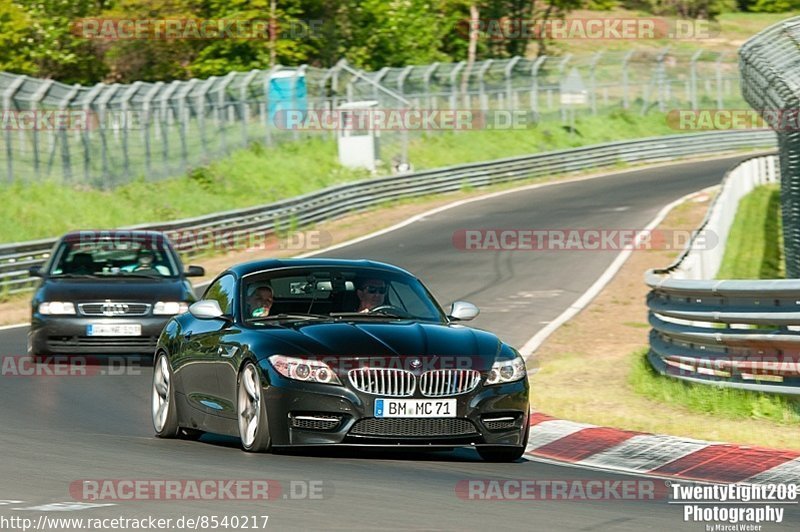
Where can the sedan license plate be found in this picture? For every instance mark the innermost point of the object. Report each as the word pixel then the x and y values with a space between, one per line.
pixel 415 408
pixel 99 329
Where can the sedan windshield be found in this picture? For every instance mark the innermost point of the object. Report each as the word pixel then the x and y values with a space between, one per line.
pixel 115 257
pixel 336 293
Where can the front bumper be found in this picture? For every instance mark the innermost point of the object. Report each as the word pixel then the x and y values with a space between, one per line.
pixel 57 335
pixel 307 414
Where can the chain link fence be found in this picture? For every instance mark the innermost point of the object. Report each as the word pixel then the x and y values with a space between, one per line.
pixel 108 135
pixel 770 67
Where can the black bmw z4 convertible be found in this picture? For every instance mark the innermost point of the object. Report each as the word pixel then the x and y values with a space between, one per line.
pixel 316 352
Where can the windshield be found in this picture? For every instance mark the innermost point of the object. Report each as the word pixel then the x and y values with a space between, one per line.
pixel 113 258
pixel 335 293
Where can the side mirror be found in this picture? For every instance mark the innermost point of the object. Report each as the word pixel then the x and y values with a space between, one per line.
pixel 35 271
pixel 207 309
pixel 463 311
pixel 195 271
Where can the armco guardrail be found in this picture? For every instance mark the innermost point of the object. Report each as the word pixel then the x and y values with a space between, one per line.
pixel 197 234
pixel 731 333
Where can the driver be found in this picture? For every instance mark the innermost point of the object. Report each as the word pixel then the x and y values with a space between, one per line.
pixel 371 294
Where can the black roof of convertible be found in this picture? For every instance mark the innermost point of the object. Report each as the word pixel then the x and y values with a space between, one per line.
pixel 246 268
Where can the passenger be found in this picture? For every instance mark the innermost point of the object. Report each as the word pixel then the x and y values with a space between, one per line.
pixel 260 301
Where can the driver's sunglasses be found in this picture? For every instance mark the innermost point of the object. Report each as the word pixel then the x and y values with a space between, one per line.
pixel 375 289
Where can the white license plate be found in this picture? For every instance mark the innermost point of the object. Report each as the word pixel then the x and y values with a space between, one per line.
pixel 101 329
pixel 415 408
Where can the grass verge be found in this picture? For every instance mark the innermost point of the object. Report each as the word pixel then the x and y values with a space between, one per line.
pixel 262 175
pixel 708 399
pixel 755 243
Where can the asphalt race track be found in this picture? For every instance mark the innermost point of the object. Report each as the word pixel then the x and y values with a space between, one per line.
pixel 59 430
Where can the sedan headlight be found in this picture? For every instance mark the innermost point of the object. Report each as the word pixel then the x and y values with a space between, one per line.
pixel 506 371
pixel 55 308
pixel 301 369
pixel 170 308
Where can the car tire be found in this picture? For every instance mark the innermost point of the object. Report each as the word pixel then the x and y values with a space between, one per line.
pixel 163 408
pixel 251 411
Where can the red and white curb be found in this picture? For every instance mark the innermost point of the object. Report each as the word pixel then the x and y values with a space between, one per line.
pixel 657 455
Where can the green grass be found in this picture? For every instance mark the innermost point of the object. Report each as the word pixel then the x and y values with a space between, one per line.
pixel 754 249
pixel 712 400
pixel 262 175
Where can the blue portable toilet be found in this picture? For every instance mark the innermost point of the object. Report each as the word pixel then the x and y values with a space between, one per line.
pixel 286 91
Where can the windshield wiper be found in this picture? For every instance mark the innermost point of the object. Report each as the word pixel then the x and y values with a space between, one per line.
pixel 379 314
pixel 278 317
pixel 74 276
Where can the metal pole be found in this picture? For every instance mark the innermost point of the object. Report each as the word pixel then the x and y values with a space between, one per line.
pixel 720 102
pixel 36 98
pixel 102 107
pixel 561 66
pixel 535 85
pixel 592 85
pixel 184 116
pixel 693 79
pixel 200 106
pixel 625 94
pixel 427 82
pixel 147 111
pixel 244 108
pixel 220 111
pixel 87 107
pixel 482 98
pixel 124 106
pixel 66 162
pixel 508 72
pixel 8 94
pixel 453 80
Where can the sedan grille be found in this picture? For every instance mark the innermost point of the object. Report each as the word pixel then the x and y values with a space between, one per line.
pixel 387 382
pixel 114 308
pixel 412 427
pixel 446 382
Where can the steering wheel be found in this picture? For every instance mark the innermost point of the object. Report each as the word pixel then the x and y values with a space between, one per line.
pixel 391 308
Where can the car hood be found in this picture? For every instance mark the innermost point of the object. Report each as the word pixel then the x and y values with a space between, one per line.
pixel 134 289
pixel 358 340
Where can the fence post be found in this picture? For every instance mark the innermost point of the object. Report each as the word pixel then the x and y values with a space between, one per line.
pixel 184 115
pixel 592 85
pixel 453 80
pixel 102 104
pixel 164 118
pixel 427 83
pixel 537 64
pixel 561 66
pixel 718 65
pixel 126 125
pixel 147 110
pixel 244 109
pixel 36 98
pixel 693 79
pixel 220 111
pixel 483 100
pixel 87 103
pixel 8 94
pixel 200 111
pixel 66 162
pixel 625 95
pixel 508 71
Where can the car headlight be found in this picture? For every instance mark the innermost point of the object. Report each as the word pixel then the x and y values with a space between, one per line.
pixel 506 371
pixel 301 369
pixel 55 308
pixel 164 308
